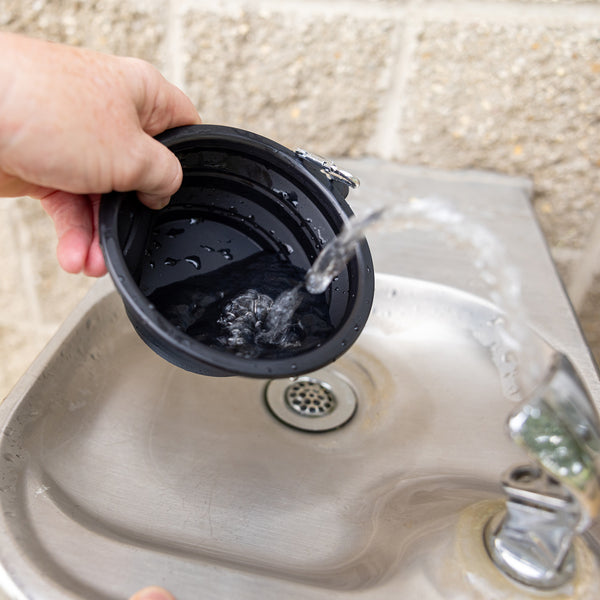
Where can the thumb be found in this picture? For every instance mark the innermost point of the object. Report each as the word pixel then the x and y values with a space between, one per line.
pixel 158 174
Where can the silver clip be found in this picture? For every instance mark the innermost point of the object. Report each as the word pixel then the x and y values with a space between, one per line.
pixel 328 168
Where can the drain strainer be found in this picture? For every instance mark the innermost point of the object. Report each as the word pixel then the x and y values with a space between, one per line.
pixel 310 397
pixel 320 401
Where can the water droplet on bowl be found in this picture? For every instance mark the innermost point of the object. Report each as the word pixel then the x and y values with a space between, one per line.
pixel 194 261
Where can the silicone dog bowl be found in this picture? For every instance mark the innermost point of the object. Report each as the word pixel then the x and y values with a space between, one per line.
pixel 247 207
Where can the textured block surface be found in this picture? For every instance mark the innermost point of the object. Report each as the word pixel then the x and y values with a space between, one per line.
pixel 513 99
pixel 118 27
pixel 301 79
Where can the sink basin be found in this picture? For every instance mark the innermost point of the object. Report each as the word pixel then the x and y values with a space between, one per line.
pixel 119 470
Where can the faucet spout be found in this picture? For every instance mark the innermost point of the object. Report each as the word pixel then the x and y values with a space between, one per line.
pixel 557 497
pixel 559 429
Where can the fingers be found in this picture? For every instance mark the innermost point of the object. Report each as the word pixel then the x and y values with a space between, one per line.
pixel 158 174
pixel 180 110
pixel 160 106
pixel 152 593
pixel 72 250
pixel 78 248
pixel 94 262
pixel 171 108
pixel 73 223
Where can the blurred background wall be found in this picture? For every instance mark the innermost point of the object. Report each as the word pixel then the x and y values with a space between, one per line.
pixel 508 86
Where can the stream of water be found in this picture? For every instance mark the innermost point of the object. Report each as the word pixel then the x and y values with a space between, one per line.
pixel 512 348
pixel 264 306
pixel 515 349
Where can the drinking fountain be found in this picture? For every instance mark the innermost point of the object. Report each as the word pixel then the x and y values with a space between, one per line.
pixel 384 474
pixel 556 497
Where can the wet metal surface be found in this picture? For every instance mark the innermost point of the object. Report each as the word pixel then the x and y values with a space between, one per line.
pixel 118 470
pixel 128 452
pixel 140 463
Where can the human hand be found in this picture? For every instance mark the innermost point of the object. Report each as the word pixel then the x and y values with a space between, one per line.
pixel 75 124
pixel 152 593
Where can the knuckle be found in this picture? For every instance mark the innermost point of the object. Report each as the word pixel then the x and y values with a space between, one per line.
pixel 132 167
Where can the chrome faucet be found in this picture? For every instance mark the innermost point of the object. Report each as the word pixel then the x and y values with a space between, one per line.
pixel 558 496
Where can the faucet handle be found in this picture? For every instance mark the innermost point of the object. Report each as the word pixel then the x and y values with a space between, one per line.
pixel 558 427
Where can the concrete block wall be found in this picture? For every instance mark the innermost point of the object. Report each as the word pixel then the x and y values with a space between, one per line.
pixel 507 85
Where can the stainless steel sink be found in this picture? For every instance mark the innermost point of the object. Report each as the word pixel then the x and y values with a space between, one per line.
pixel 119 470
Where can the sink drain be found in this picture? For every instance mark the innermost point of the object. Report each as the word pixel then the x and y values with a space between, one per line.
pixel 310 397
pixel 321 401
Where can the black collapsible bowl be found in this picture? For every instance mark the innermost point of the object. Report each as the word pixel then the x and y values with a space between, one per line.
pixel 243 198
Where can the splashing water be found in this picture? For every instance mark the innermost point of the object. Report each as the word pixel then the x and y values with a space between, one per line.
pixel 253 318
pixel 334 256
pixel 514 348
